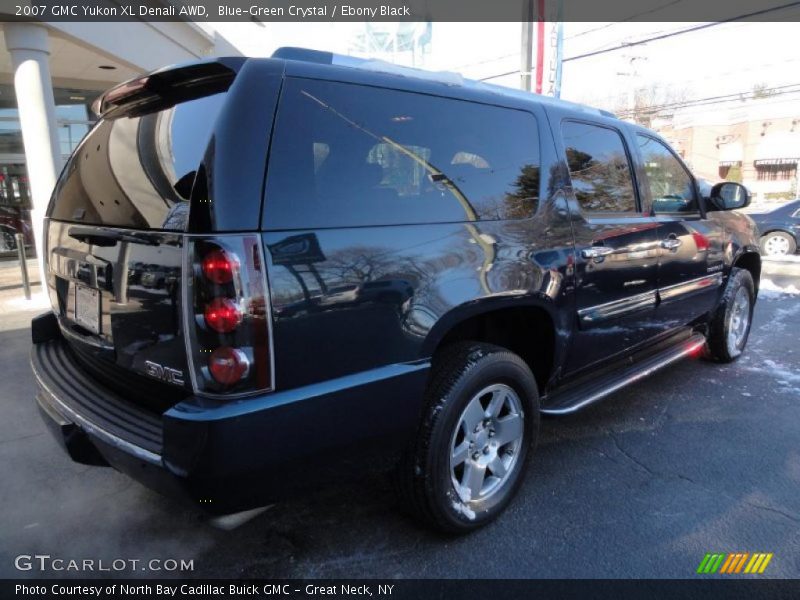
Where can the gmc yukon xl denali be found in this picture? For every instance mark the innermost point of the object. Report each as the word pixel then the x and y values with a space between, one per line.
pixel 267 273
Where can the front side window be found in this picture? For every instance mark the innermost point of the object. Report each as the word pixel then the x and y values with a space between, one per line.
pixel 599 168
pixel 671 187
pixel 347 155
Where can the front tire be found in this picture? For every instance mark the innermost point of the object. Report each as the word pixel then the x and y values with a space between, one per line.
pixel 778 243
pixel 730 324
pixel 480 423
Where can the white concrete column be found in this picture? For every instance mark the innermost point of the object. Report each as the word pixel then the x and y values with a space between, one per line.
pixel 29 46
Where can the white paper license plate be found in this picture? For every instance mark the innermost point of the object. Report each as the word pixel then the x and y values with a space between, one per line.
pixel 87 308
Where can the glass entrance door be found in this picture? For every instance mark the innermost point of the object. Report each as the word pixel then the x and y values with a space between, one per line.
pixel 15 206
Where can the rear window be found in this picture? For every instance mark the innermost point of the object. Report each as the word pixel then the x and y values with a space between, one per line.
pixel 138 171
pixel 349 155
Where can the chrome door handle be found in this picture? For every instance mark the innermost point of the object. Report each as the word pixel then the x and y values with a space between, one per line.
pixel 597 252
pixel 671 243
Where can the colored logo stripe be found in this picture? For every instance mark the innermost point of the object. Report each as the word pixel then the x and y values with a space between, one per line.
pixel 734 562
pixel 710 563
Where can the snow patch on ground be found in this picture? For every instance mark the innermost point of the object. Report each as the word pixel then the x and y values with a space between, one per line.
pixel 782 317
pixel 794 258
pixel 768 289
pixel 784 374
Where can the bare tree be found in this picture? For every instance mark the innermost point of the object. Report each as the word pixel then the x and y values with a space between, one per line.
pixel 650 101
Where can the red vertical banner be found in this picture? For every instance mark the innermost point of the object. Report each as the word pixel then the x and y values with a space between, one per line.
pixel 539 45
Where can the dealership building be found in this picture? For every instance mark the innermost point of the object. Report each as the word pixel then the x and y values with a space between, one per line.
pixel 49 76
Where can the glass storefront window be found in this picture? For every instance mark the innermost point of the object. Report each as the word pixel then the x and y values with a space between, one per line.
pixel 73 119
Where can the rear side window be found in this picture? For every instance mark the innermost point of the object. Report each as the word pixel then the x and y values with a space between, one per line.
pixel 138 171
pixel 599 168
pixel 349 155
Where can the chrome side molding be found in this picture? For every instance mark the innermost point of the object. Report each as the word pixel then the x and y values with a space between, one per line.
pixel 600 312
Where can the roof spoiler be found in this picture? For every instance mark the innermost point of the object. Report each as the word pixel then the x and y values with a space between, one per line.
pixel 168 86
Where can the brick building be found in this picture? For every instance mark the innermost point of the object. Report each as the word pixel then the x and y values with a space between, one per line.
pixel 756 142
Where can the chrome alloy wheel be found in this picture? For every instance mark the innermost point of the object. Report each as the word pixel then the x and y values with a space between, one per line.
pixel 738 321
pixel 486 444
pixel 776 245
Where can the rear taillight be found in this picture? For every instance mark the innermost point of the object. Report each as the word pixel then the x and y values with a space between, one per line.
pixel 223 315
pixel 228 365
pixel 220 267
pixel 228 316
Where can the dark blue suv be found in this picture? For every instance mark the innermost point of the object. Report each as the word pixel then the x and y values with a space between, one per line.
pixel 267 273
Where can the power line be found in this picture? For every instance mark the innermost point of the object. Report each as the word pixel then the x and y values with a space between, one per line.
pixel 483 62
pixel 748 95
pixel 595 100
pixel 655 110
pixel 661 37
pixel 514 72
pixel 729 97
pixel 631 44
pixel 644 41
pixel 683 31
pixel 625 20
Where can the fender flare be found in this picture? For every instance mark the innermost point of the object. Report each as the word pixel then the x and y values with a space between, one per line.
pixel 474 308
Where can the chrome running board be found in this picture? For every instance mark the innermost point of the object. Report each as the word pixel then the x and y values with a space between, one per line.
pixel 574 399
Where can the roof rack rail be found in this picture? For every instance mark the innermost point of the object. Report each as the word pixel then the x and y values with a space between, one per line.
pixel 330 58
pixel 445 77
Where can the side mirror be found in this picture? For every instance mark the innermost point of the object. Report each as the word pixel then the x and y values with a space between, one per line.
pixel 729 195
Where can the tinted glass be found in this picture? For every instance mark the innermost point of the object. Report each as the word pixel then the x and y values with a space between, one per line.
pixel 599 168
pixel 671 188
pixel 138 172
pixel 348 155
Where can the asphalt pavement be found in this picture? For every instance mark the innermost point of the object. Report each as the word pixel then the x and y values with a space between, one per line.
pixel 699 458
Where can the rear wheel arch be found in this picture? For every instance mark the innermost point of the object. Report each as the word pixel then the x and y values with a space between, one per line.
pixel 751 261
pixel 528 331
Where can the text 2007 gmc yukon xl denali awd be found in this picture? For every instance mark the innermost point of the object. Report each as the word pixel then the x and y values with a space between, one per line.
pixel 264 271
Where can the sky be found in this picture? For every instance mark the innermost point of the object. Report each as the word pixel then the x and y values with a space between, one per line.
pixel 723 59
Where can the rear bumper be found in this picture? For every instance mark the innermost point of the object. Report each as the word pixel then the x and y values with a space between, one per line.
pixel 238 455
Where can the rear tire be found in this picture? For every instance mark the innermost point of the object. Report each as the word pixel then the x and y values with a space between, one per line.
pixel 730 323
pixel 480 423
pixel 778 243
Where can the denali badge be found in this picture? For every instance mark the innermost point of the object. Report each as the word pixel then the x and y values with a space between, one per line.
pixel 165 374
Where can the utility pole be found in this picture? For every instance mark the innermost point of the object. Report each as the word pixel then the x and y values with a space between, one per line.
pixel 539 45
pixel 526 50
pixel 533 11
pixel 559 50
pixel 634 74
